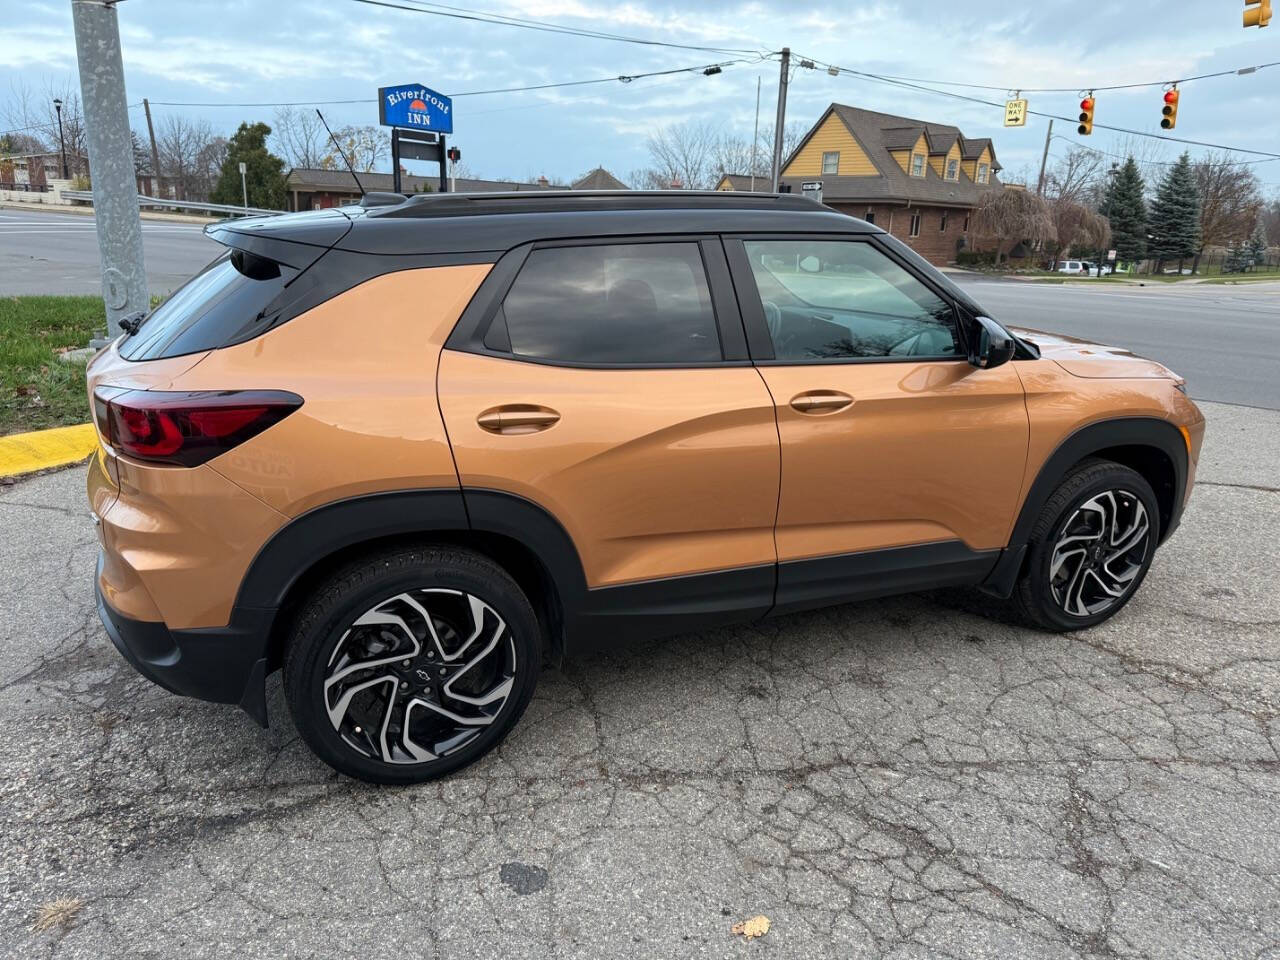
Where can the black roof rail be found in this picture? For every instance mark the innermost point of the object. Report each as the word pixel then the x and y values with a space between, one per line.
pixel 560 201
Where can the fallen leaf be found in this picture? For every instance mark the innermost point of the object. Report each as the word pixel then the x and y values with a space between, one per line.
pixel 755 927
pixel 57 913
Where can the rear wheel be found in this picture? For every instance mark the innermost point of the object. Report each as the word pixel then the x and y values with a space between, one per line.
pixel 1090 549
pixel 412 663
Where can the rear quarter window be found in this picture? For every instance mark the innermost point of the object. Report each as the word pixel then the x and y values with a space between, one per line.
pixel 235 293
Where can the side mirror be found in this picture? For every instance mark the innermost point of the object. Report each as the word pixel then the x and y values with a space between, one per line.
pixel 990 345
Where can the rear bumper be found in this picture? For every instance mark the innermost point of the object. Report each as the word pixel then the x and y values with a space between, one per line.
pixel 221 664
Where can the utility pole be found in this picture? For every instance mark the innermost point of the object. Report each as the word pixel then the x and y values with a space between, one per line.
pixel 755 137
pixel 781 120
pixel 155 154
pixel 1044 159
pixel 115 191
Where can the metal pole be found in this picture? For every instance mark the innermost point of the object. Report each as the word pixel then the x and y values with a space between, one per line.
pixel 1044 159
pixel 244 189
pixel 781 120
pixel 62 141
pixel 155 154
pixel 755 137
pixel 115 191
pixel 395 160
pixel 444 165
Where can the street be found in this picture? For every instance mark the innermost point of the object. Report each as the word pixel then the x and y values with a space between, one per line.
pixel 1224 339
pixel 901 778
pixel 43 252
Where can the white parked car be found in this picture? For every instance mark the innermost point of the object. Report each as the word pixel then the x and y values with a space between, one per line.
pixel 1070 266
pixel 1084 268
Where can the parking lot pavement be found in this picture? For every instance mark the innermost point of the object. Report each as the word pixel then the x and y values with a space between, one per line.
pixel 903 778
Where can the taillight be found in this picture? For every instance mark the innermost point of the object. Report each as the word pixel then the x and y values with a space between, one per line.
pixel 186 429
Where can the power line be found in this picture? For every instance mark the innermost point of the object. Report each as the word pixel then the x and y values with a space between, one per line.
pixel 480 16
pixel 621 78
pixel 879 78
pixel 1158 163
pixel 1241 71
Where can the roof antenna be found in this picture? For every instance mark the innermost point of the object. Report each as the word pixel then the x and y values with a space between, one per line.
pixel 341 153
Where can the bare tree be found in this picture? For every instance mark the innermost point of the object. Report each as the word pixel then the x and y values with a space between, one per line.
pixel 1271 221
pixel 365 146
pixel 300 137
pixel 1079 229
pixel 1076 177
pixel 683 155
pixel 184 147
pixel 32 119
pixel 1230 201
pixel 1010 217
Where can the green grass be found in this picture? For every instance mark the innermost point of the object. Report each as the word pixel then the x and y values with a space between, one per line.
pixel 38 390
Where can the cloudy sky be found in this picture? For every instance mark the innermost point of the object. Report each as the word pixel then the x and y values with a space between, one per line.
pixel 248 51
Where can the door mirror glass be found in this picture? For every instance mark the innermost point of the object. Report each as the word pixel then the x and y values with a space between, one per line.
pixel 990 344
pixel 810 264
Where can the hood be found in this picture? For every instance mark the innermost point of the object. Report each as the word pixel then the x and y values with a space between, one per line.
pixel 1095 361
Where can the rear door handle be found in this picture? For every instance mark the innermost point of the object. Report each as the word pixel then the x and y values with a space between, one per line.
pixel 820 401
pixel 517 418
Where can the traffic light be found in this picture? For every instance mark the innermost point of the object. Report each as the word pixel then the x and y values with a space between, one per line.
pixel 1086 115
pixel 1257 13
pixel 1170 109
pixel 454 154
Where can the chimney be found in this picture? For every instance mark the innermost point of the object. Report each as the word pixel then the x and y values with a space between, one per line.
pixel 543 182
pixel 676 184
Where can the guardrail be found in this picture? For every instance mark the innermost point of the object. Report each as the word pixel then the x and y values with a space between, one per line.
pixel 228 209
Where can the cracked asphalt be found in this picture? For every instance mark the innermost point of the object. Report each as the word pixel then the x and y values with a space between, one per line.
pixel 906 778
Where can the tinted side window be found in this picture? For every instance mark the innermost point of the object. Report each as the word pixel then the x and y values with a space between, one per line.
pixel 832 299
pixel 615 303
pixel 209 309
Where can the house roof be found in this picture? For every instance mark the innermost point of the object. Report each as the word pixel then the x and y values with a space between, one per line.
pixel 341 181
pixel 743 182
pixel 598 179
pixel 881 133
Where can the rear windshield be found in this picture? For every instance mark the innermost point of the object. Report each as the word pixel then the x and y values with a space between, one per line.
pixel 234 292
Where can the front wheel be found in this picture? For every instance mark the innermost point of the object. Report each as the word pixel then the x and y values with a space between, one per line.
pixel 412 663
pixel 1090 549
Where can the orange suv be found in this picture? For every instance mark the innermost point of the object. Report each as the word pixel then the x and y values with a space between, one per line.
pixel 409 451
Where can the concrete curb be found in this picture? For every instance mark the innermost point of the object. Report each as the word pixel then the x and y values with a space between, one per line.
pixel 41 449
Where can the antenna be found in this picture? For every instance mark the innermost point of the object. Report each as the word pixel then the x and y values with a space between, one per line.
pixel 341 153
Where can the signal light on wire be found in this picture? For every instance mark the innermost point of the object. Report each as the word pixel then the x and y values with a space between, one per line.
pixel 1170 111
pixel 1257 13
pixel 1086 115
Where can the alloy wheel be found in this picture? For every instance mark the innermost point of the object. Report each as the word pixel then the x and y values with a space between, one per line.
pixel 1100 553
pixel 419 675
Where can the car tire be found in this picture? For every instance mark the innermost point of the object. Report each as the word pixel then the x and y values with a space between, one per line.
pixel 411 663
pixel 1090 548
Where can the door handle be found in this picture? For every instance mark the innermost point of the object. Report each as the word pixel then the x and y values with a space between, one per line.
pixel 820 401
pixel 517 418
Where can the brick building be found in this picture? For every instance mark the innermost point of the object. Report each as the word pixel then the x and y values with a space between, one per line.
pixel 918 180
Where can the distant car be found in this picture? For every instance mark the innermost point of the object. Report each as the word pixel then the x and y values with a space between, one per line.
pixel 1070 266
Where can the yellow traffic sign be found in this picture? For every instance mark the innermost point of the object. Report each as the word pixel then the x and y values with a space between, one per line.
pixel 1015 113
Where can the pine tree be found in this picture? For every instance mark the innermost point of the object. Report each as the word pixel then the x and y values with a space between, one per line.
pixel 1124 207
pixel 1175 214
pixel 1233 263
pixel 1258 243
pixel 264 173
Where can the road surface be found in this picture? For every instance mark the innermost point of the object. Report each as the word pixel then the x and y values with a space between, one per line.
pixel 42 252
pixel 1224 339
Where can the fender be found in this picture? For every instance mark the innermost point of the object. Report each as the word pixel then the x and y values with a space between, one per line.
pixel 1150 432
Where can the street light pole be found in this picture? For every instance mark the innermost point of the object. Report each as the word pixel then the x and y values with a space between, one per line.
pixel 57 106
pixel 244 189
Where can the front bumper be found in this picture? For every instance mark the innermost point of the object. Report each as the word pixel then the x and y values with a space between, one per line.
pixel 221 664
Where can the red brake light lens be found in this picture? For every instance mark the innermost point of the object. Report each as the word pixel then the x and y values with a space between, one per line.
pixel 186 429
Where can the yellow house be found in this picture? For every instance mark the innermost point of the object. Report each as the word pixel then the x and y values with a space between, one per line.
pixel 917 179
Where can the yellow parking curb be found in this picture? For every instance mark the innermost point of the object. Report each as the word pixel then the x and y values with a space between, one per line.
pixel 25 452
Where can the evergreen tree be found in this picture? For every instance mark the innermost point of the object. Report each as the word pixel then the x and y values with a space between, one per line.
pixel 1175 214
pixel 1234 262
pixel 264 171
pixel 1258 243
pixel 1124 207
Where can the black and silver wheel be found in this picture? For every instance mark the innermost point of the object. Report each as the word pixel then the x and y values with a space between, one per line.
pixel 1090 548
pixel 411 664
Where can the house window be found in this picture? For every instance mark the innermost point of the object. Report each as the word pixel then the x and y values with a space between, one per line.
pixel 915 225
pixel 984 172
pixel 831 161
pixel 953 169
pixel 942 222
pixel 870 217
pixel 966 222
pixel 917 164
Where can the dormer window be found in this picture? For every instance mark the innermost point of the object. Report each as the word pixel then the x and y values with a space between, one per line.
pixel 830 162
pixel 984 173
pixel 953 169
pixel 917 164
